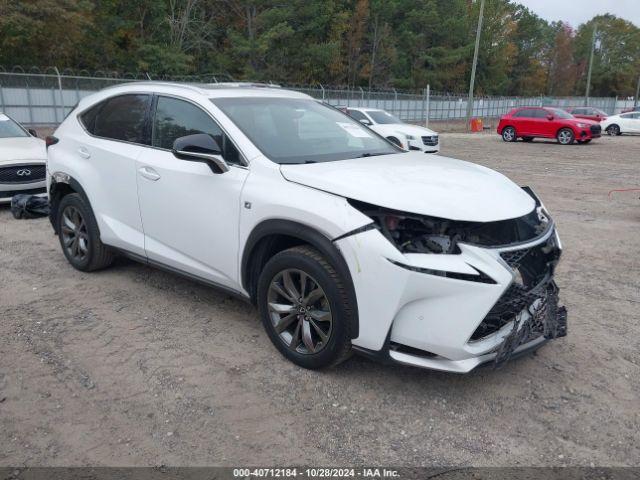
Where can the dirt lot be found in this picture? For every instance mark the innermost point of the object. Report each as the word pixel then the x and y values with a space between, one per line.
pixel 133 366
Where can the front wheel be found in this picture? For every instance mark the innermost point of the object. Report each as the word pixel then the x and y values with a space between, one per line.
pixel 613 130
pixel 395 141
pixel 509 134
pixel 305 308
pixel 565 136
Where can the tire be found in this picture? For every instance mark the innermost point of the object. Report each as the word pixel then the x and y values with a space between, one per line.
pixel 76 221
pixel 527 139
pixel 565 136
pixel 329 311
pixel 509 134
pixel 395 141
pixel 613 130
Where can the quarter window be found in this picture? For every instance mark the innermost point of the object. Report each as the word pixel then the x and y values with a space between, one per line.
pixel 177 118
pixel 119 118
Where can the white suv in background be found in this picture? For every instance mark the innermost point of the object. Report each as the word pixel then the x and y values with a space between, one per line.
pixel 405 135
pixel 343 240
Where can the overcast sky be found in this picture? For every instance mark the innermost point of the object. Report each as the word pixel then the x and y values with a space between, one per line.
pixel 579 11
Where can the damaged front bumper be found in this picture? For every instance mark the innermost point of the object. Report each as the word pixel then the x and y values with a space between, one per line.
pixel 439 312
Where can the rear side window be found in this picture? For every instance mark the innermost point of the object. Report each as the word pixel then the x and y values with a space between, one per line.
pixel 526 112
pixel 119 118
pixel 176 118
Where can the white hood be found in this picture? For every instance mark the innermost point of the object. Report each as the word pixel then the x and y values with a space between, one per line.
pixel 402 129
pixel 436 186
pixel 21 149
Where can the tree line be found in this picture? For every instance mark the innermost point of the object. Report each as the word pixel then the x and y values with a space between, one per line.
pixel 405 44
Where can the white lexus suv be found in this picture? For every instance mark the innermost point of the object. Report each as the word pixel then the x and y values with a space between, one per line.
pixel 343 240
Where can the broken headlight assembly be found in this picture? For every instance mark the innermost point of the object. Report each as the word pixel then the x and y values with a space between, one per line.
pixel 414 233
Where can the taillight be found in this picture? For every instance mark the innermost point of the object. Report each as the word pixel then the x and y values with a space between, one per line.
pixel 51 140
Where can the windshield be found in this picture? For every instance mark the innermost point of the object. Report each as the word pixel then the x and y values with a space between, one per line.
pixel 291 130
pixel 559 113
pixel 382 117
pixel 9 128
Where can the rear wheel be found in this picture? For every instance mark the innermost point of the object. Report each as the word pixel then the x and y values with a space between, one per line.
pixel 613 130
pixel 305 308
pixel 565 136
pixel 509 134
pixel 79 235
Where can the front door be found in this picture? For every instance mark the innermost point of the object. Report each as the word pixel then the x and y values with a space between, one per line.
pixel 190 215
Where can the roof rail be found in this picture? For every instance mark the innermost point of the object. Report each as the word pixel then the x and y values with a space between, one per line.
pixel 240 85
pixel 190 86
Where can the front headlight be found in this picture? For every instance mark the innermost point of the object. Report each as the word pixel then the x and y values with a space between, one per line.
pixel 414 233
pixel 583 125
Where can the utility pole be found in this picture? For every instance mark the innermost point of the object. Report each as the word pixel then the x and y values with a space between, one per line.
pixel 593 47
pixel 473 67
pixel 635 99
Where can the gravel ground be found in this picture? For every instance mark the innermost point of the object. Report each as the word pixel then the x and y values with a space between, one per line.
pixel 134 366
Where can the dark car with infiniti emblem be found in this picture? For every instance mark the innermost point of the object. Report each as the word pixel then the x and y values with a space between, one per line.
pixel 23 159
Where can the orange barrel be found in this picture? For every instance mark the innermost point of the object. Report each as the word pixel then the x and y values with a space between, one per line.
pixel 476 124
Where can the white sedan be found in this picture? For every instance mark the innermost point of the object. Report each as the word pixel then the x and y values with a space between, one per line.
pixel 23 160
pixel 622 123
pixel 407 136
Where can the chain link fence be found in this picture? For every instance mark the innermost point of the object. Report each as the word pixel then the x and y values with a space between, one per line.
pixel 37 97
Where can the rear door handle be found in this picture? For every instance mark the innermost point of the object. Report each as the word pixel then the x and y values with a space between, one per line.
pixel 149 173
pixel 84 153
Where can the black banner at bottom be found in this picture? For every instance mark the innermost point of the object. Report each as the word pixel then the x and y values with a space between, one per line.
pixel 307 473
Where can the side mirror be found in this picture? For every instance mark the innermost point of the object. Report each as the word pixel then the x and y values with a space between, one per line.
pixel 550 117
pixel 32 132
pixel 366 122
pixel 200 147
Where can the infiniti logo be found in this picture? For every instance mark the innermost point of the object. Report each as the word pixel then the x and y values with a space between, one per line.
pixel 23 173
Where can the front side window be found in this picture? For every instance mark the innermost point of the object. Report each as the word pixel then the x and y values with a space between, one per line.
pixel 293 131
pixel 119 118
pixel 382 117
pixel 176 118
pixel 9 128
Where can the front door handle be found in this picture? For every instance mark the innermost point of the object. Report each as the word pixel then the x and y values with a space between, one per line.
pixel 84 153
pixel 149 173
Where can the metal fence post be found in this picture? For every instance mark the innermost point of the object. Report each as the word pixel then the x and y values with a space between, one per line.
pixel 361 102
pixel 322 88
pixel 2 104
pixel 426 121
pixel 60 88
pixel 29 105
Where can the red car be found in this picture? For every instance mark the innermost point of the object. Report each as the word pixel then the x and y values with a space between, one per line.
pixel 590 113
pixel 543 122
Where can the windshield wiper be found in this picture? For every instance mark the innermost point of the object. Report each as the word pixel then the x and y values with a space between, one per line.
pixel 371 154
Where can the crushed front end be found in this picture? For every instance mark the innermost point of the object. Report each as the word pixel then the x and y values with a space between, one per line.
pixel 453 295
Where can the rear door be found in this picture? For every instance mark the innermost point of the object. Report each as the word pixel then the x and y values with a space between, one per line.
pixel 524 122
pixel 107 166
pixel 190 215
pixel 633 122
